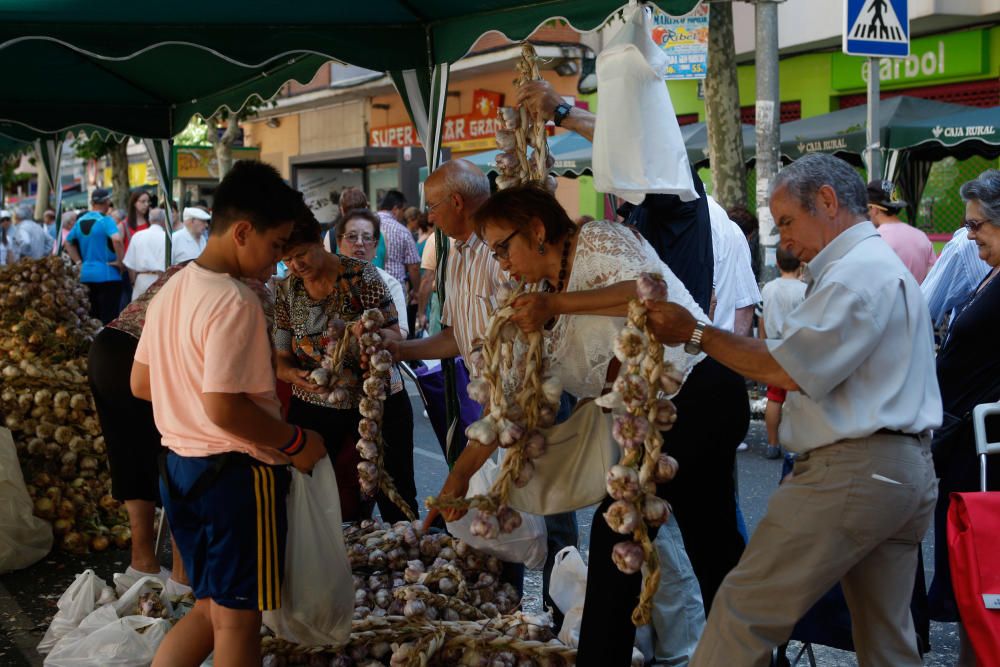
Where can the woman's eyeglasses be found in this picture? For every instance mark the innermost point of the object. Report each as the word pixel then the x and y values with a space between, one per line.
pixel 367 239
pixel 974 225
pixel 502 249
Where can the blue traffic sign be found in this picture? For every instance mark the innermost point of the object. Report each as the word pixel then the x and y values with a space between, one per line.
pixel 876 28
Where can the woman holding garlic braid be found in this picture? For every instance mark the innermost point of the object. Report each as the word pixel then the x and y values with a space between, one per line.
pixel 589 276
pixel 313 306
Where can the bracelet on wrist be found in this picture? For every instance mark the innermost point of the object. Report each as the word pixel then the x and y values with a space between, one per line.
pixel 296 444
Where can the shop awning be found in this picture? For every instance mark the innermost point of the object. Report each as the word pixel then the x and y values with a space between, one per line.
pixel 696 142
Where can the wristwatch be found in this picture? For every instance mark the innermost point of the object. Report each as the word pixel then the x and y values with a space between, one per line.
pixel 559 115
pixel 693 346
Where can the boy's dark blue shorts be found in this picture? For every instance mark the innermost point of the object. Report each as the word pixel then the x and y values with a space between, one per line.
pixel 230 527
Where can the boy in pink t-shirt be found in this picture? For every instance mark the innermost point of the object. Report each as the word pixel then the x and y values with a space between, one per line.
pixel 204 360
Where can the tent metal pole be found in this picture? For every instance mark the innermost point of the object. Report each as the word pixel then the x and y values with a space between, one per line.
pixel 873 151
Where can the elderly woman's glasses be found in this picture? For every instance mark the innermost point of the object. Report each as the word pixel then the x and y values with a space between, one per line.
pixel 355 238
pixel 502 249
pixel 974 225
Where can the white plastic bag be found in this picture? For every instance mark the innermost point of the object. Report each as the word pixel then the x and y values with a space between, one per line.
pixel 74 605
pixel 317 598
pixel 128 603
pixel 24 538
pixel 638 147
pixel 125 642
pixel 568 589
pixel 527 544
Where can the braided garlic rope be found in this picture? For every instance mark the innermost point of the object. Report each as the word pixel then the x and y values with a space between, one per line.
pixel 512 422
pixel 521 130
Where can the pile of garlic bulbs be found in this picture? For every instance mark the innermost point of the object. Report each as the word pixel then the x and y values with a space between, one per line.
pixel 45 335
pixel 428 599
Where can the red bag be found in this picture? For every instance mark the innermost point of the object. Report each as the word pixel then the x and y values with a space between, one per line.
pixel 974 552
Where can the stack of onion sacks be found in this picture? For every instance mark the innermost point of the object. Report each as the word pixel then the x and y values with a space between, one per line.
pixel 639 395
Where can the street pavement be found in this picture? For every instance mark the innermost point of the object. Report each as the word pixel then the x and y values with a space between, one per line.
pixel 28 597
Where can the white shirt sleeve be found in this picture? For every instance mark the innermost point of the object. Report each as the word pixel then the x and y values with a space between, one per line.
pixel 747 291
pixel 398 300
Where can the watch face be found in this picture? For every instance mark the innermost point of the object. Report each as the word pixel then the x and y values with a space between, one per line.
pixel 692 348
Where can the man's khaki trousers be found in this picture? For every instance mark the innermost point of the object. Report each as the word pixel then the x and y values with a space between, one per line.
pixel 854 512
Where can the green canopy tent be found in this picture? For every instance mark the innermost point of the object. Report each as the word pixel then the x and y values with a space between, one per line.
pixel 967 133
pixel 696 142
pixel 173 60
pixel 843 132
pixel 915 146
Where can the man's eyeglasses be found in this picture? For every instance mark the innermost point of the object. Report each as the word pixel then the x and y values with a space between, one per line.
pixel 430 207
pixel 359 238
pixel 974 225
pixel 502 250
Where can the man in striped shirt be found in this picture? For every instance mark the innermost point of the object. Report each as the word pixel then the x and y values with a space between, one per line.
pixel 453 194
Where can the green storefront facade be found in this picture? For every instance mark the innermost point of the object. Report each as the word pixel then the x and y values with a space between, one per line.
pixel 961 67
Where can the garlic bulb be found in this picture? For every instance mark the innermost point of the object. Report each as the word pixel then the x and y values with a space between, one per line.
pixel 478 390
pixel 651 287
pixel 666 469
pixel 630 431
pixel 370 408
pixel 623 483
pixel 655 510
pixel 320 376
pixel 374 387
pixel 510 433
pixel 509 519
pixel 622 517
pixel 381 361
pixel 627 556
pixel 483 431
pixel 369 429
pixel 525 475
pixel 666 414
pixel 368 449
pixel 630 343
pixel 485 526
pixel 552 388
pixel 534 445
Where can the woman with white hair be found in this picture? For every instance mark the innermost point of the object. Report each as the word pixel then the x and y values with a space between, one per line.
pixel 968 371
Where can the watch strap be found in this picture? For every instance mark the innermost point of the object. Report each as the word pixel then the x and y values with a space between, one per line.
pixel 559 115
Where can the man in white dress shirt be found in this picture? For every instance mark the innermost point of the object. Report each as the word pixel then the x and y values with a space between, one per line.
pixel 857 360
pixel 190 240
pixel 735 288
pixel 146 256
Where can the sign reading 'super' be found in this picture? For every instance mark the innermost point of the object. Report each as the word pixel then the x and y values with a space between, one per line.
pixel 876 28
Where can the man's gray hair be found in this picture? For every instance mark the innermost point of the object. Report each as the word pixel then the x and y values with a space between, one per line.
pixel 68 218
pixel 985 189
pixel 804 177
pixel 471 184
pixel 157 215
pixel 23 212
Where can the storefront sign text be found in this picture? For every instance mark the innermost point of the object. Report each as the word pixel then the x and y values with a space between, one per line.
pixel 685 41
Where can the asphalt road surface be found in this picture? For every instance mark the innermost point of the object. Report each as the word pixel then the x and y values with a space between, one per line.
pixel 28 597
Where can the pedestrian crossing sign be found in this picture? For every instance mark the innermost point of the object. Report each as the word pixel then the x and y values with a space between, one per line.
pixel 876 28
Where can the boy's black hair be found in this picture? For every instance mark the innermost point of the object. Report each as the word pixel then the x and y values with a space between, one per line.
pixel 255 192
pixel 787 262
pixel 391 200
